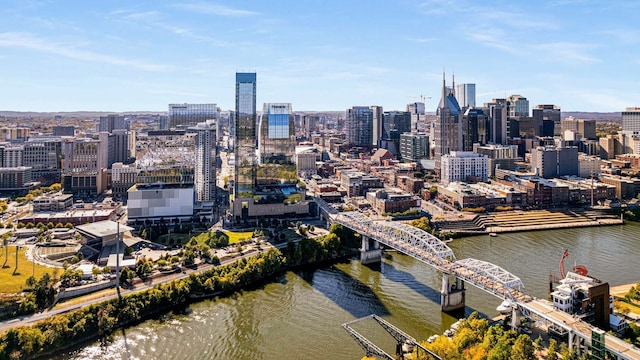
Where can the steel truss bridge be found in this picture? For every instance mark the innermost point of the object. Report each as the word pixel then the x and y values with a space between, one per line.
pixel 484 275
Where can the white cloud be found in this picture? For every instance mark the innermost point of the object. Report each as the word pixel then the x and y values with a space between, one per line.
pixel 32 42
pixel 214 9
pixel 567 52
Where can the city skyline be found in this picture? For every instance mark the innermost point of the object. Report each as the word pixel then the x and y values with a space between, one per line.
pixel 117 56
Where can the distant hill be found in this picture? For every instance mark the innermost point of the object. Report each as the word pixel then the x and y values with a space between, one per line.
pixel 80 114
pixel 598 116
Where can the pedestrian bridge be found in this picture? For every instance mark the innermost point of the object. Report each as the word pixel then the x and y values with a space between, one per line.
pixel 429 249
pixel 484 275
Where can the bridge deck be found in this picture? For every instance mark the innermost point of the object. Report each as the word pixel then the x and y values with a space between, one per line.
pixel 486 276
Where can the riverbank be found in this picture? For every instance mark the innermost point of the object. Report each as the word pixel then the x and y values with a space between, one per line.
pixel 101 319
pixel 519 221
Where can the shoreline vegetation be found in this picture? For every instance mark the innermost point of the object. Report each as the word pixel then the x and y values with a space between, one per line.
pixel 55 334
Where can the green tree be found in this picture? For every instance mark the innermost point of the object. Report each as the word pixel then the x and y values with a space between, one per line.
pixel 422 223
pixel 552 352
pixel 126 275
pixel 523 349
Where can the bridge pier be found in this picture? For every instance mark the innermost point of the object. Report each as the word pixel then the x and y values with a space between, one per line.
pixel 370 252
pixel 452 296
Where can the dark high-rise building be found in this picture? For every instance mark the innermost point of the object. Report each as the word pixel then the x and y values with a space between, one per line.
pixel 448 125
pixel 475 128
pixel 497 111
pixel 518 105
pixel 548 113
pixel 359 126
pixel 183 115
pixel 63 130
pixel 113 122
pixel 245 146
pixel 394 123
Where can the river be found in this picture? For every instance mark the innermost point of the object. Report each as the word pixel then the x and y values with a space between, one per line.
pixel 299 315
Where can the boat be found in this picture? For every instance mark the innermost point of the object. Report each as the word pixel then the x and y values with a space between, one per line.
pixel 432 338
pixel 493 234
pixel 505 307
pixel 448 333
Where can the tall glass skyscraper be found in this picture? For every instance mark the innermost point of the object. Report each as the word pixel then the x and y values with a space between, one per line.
pixel 245 146
pixel 277 140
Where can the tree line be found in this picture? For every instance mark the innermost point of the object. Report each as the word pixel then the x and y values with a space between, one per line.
pixel 101 319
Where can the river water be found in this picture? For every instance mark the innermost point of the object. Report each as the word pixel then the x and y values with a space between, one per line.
pixel 299 315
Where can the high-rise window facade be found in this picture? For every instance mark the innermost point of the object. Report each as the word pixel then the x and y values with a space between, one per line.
pixel 360 126
pixel 205 164
pixel 276 143
pixel 466 95
pixel 245 147
pixel 631 120
pixel 191 114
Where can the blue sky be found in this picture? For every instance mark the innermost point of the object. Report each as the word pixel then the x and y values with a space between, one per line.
pixel 318 55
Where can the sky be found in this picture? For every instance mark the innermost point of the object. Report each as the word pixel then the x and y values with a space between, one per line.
pixel 122 55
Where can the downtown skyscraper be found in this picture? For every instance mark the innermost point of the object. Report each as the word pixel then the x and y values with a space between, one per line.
pixel 448 125
pixel 205 164
pixel 245 147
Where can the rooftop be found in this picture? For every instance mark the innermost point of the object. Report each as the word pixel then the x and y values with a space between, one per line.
pixel 103 228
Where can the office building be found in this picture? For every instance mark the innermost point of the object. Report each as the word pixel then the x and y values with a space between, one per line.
pixel 497 113
pixel 14 133
pixel 205 162
pixel 113 122
pixel 154 202
pixel 551 119
pixel 475 128
pixel 15 178
pixel 448 125
pixel 12 156
pixel 61 130
pixel 586 128
pixel 394 123
pixel 82 176
pixel 277 139
pixel 184 115
pixel 463 166
pixel 306 158
pixel 378 118
pixel 499 157
pixel 359 126
pixel 518 105
pixel 414 146
pixel 245 144
pixel 466 95
pixel 550 162
pixel 631 120
pixel 44 156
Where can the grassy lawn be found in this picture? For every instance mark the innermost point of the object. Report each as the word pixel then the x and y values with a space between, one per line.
pixel 633 307
pixel 236 236
pixel 176 238
pixel 12 281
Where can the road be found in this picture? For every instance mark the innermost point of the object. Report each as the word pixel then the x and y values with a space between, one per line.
pixel 32 319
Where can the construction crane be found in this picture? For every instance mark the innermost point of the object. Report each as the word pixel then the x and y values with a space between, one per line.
pixel 422 98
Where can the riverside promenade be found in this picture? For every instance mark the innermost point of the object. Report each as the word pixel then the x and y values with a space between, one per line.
pixel 547 220
pixel 523 220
